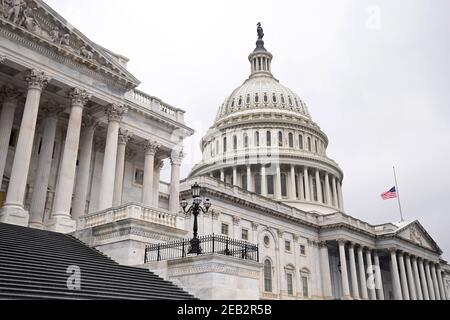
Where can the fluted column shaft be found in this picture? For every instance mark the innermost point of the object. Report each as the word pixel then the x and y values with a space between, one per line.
pixel 395 275
pixel 293 193
pixel 235 177
pixel 417 284
pixel 435 281
pixel 362 274
pixel 340 198
pixel 410 276
pixel 222 175
pixel 319 187
pixel 10 96
pixel 61 220
pixel 404 281
pixel 441 283
pixel 84 167
pixel 423 279
pixel 41 181
pixel 174 190
pixel 150 149
pixel 249 179
pixel 124 137
pixel 306 181
pixel 13 211
pixel 378 276
pixel 429 281
pixel 344 274
pixel 114 114
pixel 371 288
pixel 329 200
pixel 325 270
pixel 353 274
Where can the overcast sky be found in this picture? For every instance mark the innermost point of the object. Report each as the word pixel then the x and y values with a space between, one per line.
pixel 374 74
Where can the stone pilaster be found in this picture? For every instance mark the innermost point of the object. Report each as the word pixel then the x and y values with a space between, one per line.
pixel 13 211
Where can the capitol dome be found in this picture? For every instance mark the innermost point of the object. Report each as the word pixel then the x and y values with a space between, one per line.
pixel 264 140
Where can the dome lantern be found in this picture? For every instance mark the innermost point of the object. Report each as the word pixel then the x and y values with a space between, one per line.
pixel 260 59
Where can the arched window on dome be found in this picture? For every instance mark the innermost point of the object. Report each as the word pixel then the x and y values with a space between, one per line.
pixel 265 97
pixel 256 98
pixel 245 140
pixel 309 144
pixel 300 142
pixel 290 100
pixel 296 102
pixel 235 142
pixel 248 99
pixel 274 98
pixel 240 101
pixel 267 275
pixel 224 144
pixel 280 138
pixel 291 140
pixel 232 104
pixel 268 138
pixel 282 99
pixel 257 138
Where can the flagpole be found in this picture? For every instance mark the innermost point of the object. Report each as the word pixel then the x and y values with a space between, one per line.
pixel 398 196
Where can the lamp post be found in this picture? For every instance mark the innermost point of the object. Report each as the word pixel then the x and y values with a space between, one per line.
pixel 195 209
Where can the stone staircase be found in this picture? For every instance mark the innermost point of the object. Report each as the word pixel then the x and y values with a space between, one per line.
pixel 34 265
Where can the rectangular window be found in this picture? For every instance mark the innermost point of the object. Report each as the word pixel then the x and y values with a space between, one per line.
pixel 302 250
pixel 270 184
pixel 290 288
pixel 305 286
pixel 224 229
pixel 245 234
pixel 287 245
pixel 139 177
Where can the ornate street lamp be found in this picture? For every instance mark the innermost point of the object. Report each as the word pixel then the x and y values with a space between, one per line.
pixel 195 209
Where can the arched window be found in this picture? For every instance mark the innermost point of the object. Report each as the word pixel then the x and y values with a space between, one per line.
pixel 265 98
pixel 267 275
pixel 248 99
pixel 257 138
pixel 232 104
pixel 245 140
pixel 256 98
pixel 300 141
pixel 309 144
pixel 282 99
pixel 268 138
pixel 290 100
pixel 234 142
pixel 274 98
pixel 280 138
pixel 224 144
pixel 240 101
pixel 291 140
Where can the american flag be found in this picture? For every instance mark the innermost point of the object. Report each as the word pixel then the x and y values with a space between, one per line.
pixel 389 194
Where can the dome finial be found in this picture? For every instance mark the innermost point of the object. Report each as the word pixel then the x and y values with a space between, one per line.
pixel 260 31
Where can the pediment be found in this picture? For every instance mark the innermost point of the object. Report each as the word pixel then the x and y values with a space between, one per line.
pixel 414 232
pixel 36 21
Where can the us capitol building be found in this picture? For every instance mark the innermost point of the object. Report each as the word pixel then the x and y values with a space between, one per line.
pixel 81 151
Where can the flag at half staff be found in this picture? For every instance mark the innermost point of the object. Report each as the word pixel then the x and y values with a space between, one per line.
pixel 389 194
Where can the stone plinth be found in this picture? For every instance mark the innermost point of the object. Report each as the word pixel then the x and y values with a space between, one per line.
pixel 212 276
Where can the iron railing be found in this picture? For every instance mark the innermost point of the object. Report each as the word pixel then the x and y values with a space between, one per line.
pixel 209 244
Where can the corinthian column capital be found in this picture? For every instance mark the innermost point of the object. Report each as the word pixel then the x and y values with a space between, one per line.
pixel 37 79
pixel 79 96
pixel 115 112
pixel 124 136
pixel 176 157
pixel 150 147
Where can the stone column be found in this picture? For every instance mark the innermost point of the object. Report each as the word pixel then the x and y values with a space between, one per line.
pixel 362 274
pixel 293 192
pixel 435 281
pixel 13 211
pixel 370 289
pixel 114 114
pixel 416 278
pixel 10 96
pixel 344 274
pixel 89 124
pixel 335 200
pixel 410 276
pixel 50 114
pixel 423 279
pixel 319 187
pixel 124 137
pixel 325 270
pixel 339 192
pixel 378 277
pixel 235 177
pixel 404 281
pixel 441 283
pixel 174 190
pixel 263 181
pixel 429 281
pixel 395 276
pixel 306 180
pixel 249 179
pixel 278 195
pixel 222 175
pixel 150 148
pixel 61 220
pixel 329 200
pixel 354 277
